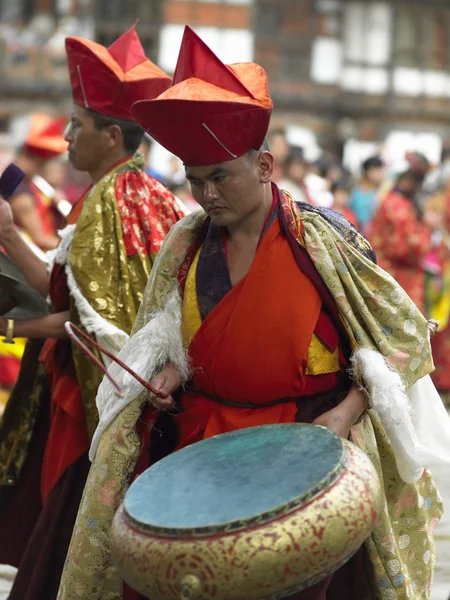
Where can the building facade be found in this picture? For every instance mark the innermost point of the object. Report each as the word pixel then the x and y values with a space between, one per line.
pixel 349 74
pixel 359 72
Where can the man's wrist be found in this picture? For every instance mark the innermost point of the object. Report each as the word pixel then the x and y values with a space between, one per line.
pixel 353 406
pixel 9 236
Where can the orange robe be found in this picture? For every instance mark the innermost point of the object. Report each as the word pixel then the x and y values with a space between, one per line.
pixel 245 350
pixel 268 342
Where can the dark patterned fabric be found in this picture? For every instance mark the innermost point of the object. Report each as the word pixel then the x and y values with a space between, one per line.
pixel 213 278
pixel 343 226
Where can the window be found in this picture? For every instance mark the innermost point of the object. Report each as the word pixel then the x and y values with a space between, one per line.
pixel 439 52
pixel 422 51
pixel 407 36
pixel 326 60
pixel 367 47
pixel 400 45
pixel 230 45
pixel 367 32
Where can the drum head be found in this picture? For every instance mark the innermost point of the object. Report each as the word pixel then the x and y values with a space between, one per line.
pixel 17 299
pixel 232 481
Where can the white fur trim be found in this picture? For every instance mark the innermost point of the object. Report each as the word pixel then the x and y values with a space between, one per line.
pixel 415 420
pixel 60 255
pixel 107 334
pixel 159 342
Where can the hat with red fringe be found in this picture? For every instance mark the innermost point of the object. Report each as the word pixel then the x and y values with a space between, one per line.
pixel 213 112
pixel 45 137
pixel 109 80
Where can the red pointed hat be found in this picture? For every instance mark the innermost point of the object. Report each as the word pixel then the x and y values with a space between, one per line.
pixel 213 112
pixel 45 136
pixel 110 80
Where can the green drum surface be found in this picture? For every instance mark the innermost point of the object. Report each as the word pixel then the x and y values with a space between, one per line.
pixel 235 480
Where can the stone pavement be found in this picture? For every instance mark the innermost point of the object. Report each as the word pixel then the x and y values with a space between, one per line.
pixel 441 588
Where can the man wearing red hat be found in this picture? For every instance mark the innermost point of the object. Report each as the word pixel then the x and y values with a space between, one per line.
pixel 97 278
pixel 402 232
pixel 255 310
pixel 32 210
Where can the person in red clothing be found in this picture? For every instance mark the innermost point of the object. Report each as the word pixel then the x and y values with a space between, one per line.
pixel 437 287
pixel 97 277
pixel 33 211
pixel 33 214
pixel 341 197
pixel 401 232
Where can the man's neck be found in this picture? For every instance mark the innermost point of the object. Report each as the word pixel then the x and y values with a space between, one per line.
pixel 252 225
pixel 106 165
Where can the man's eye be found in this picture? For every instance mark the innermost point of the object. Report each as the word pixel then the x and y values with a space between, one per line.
pixel 220 178
pixel 195 183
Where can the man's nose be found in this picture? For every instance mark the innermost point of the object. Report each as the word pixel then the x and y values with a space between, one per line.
pixel 68 132
pixel 210 192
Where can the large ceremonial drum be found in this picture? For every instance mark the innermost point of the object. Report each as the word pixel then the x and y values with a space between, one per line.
pixel 257 513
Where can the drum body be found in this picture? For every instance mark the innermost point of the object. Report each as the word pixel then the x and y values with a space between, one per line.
pixel 253 514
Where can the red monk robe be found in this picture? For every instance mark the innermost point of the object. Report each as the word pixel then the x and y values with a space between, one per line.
pixel 68 438
pixel 401 241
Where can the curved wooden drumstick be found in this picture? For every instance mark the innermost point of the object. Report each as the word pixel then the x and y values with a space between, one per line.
pixel 73 331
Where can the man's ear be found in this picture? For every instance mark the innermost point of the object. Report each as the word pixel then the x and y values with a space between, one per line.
pixel 265 163
pixel 114 138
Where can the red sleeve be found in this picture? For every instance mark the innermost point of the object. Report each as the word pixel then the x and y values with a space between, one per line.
pixel 147 209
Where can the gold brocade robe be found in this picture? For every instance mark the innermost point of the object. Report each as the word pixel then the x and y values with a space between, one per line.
pixel 106 259
pixel 376 315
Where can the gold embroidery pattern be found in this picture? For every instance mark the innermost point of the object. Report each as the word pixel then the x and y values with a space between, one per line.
pixel 287 554
pixel 111 281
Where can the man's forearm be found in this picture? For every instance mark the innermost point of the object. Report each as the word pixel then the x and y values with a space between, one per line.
pixel 34 269
pixel 51 326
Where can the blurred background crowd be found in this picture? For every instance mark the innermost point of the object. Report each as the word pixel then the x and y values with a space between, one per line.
pixel 360 125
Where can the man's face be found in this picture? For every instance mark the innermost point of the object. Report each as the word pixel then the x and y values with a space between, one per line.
pixel 341 198
pixel 229 192
pixel 376 176
pixel 409 184
pixel 86 143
